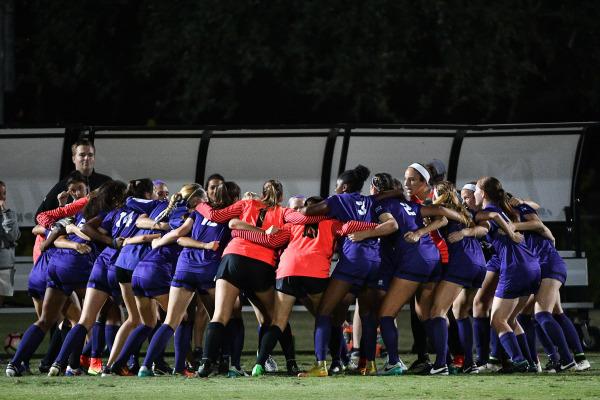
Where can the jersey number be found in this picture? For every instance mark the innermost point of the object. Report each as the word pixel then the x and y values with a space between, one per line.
pixel 362 208
pixel 408 210
pixel 124 219
pixel 208 222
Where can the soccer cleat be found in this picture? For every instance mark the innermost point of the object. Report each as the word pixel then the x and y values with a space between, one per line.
pixel 493 365
pixel 271 365
pixel 470 369
pixel 292 367
pixel 235 372
pixel 205 368
pixel 25 369
pixel 55 370
pixel 533 368
pixel 258 370
pixel 443 370
pixel 336 368
pixel 44 369
pixel 144 372
pixel 420 365
pixel 106 371
pixel 369 370
pixel 566 367
pixel 224 364
pixel 12 371
pixel 318 370
pixel 161 367
pixel 84 361
pixel 74 371
pixel 95 367
pixel 515 367
pixel 459 360
pixel 582 365
pixel 551 367
pixel 393 370
pixel 122 371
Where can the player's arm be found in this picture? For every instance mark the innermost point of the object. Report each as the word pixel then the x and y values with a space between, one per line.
pixel 175 234
pixel 387 226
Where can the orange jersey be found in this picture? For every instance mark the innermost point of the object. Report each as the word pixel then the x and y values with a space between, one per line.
pixel 258 214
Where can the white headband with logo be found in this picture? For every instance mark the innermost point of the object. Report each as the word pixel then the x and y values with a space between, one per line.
pixel 422 170
pixel 469 186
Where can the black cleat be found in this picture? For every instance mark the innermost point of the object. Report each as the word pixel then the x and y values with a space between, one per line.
pixel 292 367
pixel 205 368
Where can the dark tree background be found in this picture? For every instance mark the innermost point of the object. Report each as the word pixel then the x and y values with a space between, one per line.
pixel 300 61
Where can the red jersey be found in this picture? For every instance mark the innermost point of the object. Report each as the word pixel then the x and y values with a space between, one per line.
pixel 310 247
pixel 256 213
pixel 437 238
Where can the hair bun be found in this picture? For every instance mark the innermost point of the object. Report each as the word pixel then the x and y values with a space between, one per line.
pixel 362 172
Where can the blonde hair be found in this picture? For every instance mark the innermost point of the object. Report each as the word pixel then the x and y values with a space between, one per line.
pixel 185 194
pixel 447 196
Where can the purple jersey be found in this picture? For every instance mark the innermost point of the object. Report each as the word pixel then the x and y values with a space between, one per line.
pixel 551 263
pixel 206 231
pixel 354 206
pixel 413 261
pixel 519 267
pixel 130 255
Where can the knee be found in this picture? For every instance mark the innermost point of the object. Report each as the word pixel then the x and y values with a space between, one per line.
pixel 45 324
pixel 499 324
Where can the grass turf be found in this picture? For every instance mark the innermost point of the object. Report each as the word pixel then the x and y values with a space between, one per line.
pixel 488 386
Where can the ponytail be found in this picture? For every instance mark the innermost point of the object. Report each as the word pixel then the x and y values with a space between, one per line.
pixel 272 193
pixel 446 196
pixel 493 189
pixel 184 195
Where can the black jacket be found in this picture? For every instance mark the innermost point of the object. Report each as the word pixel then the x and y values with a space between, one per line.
pixel 94 181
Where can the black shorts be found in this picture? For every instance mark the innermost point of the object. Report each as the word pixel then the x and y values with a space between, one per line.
pixel 301 286
pixel 245 273
pixel 124 275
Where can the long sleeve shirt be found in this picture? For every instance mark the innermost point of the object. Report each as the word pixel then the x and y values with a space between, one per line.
pixel 9 233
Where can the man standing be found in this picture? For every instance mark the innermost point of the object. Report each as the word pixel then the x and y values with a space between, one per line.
pixel 9 233
pixel 84 158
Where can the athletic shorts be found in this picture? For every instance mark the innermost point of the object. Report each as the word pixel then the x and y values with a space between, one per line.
pixel 36 284
pixel 195 281
pixel 359 274
pixel 151 279
pixel 471 276
pixel 423 271
pixel 67 279
pixel 301 286
pixel 102 279
pixel 245 273
pixel 553 266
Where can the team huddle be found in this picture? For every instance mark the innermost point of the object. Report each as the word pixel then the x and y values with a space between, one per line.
pixel 478 257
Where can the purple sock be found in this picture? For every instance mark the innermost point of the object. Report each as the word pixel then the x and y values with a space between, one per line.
pixel 322 333
pixel 465 335
pixel 510 344
pixel 370 333
pixel 570 333
pixel 31 340
pixel 524 346
pixel 87 348
pixel 526 322
pixel 98 339
pixel 110 332
pixel 482 339
pixel 237 340
pixel 547 344
pixel 132 344
pixel 389 334
pixel 439 332
pixel 555 333
pixel 73 343
pixel 157 345
pixel 183 344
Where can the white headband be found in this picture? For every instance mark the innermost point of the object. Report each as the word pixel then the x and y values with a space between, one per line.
pixel 469 186
pixel 422 170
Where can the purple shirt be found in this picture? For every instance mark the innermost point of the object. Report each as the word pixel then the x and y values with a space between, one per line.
pixel 206 231
pixel 354 206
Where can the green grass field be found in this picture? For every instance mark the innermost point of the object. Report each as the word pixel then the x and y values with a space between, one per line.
pixel 486 386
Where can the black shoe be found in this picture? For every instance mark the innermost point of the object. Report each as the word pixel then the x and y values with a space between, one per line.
pixel 420 365
pixel 564 367
pixel 515 367
pixel 205 368
pixel 44 369
pixel 336 368
pixel 292 367
pixel 470 369
pixel 161 367
pixel 551 367
pixel 224 365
